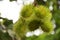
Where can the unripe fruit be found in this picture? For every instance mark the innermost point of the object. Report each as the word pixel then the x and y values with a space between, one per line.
pixel 43 13
pixel 27 11
pixel 47 26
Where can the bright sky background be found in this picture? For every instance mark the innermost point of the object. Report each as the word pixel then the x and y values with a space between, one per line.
pixel 11 10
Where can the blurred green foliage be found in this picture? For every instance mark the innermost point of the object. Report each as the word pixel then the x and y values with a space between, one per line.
pixel 7 22
pixel 5 36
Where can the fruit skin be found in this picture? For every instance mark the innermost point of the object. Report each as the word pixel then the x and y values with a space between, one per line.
pixel 43 13
pixel 47 26
pixel 27 11
pixel 20 28
pixel 45 16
